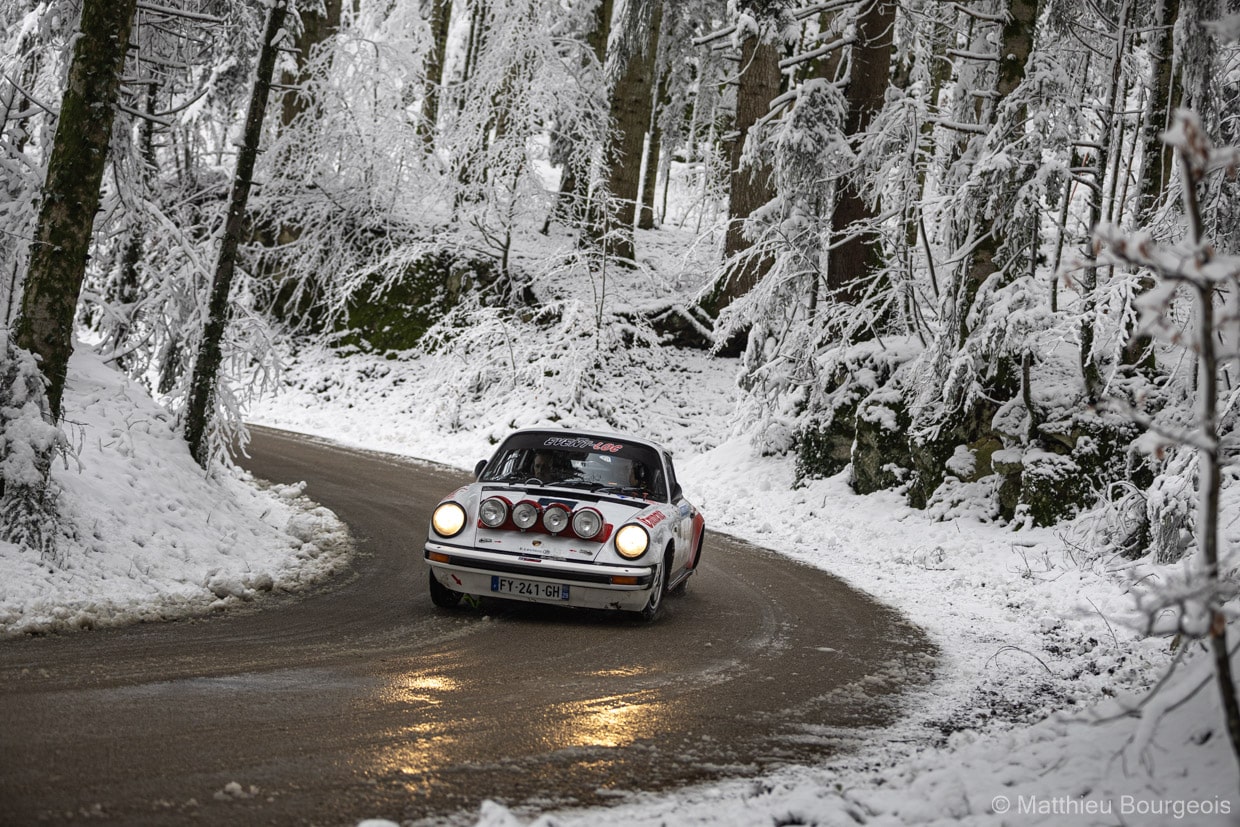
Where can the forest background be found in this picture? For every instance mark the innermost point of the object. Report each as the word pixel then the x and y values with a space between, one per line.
pixel 981 253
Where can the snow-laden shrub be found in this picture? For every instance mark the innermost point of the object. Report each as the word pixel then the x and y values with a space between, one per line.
pixel 28 443
pixel 880 456
pixel 1171 508
pixel 827 428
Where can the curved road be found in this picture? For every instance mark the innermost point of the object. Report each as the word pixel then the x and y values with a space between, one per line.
pixel 362 700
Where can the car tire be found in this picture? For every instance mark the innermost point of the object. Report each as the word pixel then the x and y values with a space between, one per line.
pixel 654 606
pixel 441 595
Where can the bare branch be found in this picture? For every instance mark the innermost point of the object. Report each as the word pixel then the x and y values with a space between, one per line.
pixel 965 55
pixel 186 15
pixel 977 15
pixel 814 54
pixel 49 110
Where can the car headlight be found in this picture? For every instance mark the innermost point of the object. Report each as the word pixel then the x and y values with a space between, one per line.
pixel 587 523
pixel 448 520
pixel 631 541
pixel 525 514
pixel 493 512
pixel 555 519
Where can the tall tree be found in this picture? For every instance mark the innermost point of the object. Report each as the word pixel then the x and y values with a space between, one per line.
pixel 654 154
pixel 1155 156
pixel 319 21
pixel 1015 47
pixel 569 149
pixel 632 101
pixel 439 16
pixel 1108 118
pixel 71 193
pixel 749 185
pixel 855 253
pixel 199 409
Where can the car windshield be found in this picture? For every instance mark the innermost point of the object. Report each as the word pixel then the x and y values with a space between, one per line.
pixel 590 463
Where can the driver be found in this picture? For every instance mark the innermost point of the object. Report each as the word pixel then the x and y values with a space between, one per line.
pixel 543 465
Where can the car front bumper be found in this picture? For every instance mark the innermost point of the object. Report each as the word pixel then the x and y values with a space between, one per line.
pixel 590 585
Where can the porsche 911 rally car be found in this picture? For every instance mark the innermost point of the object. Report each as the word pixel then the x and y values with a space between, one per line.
pixel 571 518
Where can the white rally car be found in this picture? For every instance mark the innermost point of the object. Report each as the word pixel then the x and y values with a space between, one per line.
pixel 571 518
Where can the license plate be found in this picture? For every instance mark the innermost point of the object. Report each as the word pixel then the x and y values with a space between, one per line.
pixel 528 588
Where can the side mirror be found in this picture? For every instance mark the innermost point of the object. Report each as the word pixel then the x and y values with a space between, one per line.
pixel 677 493
pixel 482 463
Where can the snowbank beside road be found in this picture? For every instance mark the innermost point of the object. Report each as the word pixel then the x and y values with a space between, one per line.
pixel 146 534
pixel 1038 665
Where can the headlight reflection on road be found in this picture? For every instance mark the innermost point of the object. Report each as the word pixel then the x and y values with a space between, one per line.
pixel 425 749
pixel 614 721
pixel 427 688
pixel 424 688
pixel 416 753
pixel 621 672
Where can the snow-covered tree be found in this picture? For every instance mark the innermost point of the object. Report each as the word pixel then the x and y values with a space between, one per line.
pixel 1194 604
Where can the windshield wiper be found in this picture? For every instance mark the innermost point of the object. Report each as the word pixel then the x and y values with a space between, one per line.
pixel 621 489
pixel 578 482
pixel 516 476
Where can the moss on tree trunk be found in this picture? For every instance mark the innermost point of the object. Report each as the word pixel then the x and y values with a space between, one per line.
pixel 71 192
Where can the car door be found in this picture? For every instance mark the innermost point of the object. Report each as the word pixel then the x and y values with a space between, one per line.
pixel 682 513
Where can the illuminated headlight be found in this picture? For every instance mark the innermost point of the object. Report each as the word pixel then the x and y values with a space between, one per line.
pixel 631 541
pixel 555 519
pixel 448 520
pixel 525 514
pixel 493 512
pixel 587 523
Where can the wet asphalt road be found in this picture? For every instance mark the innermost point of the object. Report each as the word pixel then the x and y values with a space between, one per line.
pixel 363 700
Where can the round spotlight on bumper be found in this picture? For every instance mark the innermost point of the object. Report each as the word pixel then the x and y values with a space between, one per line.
pixel 525 514
pixel 555 519
pixel 493 512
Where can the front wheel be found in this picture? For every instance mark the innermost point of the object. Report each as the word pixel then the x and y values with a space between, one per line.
pixel 658 589
pixel 441 595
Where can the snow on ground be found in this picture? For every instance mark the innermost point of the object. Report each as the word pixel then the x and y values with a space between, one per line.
pixel 148 535
pixel 1036 650
pixel 1031 718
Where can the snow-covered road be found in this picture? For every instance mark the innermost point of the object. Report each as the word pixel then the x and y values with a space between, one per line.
pixel 365 701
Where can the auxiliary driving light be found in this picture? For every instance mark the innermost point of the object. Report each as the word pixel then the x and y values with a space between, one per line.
pixel 493 512
pixel 587 523
pixel 555 519
pixel 525 514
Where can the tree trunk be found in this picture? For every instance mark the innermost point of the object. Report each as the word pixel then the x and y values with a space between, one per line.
pixel 750 186
pixel 1015 48
pixel 851 262
pixel 210 350
pixel 316 28
pixel 125 292
pixel 473 44
pixel 1090 373
pixel 650 172
pixel 439 18
pixel 1155 156
pixel 631 103
pixel 71 192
